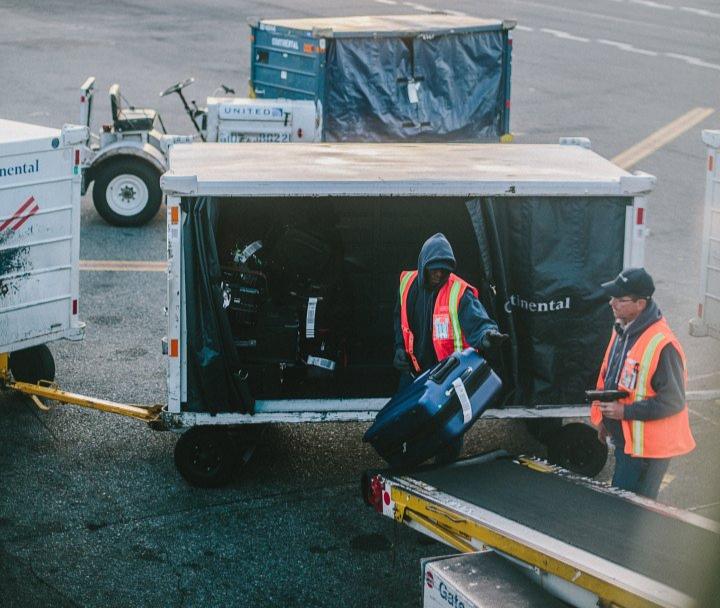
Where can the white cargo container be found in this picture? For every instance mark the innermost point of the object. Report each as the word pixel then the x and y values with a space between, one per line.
pixel 236 120
pixel 707 321
pixel 40 181
pixel 392 190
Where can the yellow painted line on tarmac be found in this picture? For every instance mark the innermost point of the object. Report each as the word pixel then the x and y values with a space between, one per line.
pixel 122 266
pixel 661 137
pixel 666 481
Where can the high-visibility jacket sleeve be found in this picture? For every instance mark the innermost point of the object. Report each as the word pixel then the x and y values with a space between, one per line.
pixel 669 384
pixel 474 320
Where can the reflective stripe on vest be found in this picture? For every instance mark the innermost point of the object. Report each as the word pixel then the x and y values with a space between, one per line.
pixel 454 318
pixel 642 389
pixel 406 279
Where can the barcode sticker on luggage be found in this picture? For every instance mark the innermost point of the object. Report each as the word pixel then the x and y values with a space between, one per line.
pixel 464 399
pixel 310 318
pixel 244 255
pixel 321 362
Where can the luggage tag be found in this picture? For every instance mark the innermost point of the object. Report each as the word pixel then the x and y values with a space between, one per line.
pixel 310 318
pixel 243 256
pixel 629 375
pixel 321 362
pixel 441 327
pixel 464 399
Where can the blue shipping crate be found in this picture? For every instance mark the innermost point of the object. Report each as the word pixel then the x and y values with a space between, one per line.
pixel 432 77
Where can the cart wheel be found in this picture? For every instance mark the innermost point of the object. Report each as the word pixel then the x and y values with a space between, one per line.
pixel 33 364
pixel 127 192
pixel 205 456
pixel 543 429
pixel 576 447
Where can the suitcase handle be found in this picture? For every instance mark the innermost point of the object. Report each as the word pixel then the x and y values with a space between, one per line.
pixel 464 376
pixel 442 372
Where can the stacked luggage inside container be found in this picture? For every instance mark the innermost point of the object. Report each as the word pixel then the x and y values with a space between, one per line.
pixel 284 296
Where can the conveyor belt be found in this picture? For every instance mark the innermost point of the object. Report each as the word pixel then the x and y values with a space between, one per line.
pixel 664 548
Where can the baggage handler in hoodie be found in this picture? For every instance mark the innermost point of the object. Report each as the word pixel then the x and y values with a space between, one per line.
pixel 644 358
pixel 438 313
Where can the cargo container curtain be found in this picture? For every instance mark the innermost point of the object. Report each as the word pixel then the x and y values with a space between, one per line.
pixel 215 381
pixel 442 88
pixel 546 258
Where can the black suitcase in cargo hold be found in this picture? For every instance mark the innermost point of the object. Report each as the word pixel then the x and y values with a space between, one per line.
pixel 433 411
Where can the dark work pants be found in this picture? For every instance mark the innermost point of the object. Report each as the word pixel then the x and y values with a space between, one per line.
pixel 640 475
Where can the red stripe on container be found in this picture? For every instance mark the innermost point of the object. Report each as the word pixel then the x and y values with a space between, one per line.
pixel 18 213
pixel 33 211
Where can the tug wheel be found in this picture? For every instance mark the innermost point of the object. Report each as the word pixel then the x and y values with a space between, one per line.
pixel 204 456
pixel 32 364
pixel 127 192
pixel 575 447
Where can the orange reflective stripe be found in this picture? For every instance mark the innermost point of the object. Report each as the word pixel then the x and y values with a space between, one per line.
pixel 406 280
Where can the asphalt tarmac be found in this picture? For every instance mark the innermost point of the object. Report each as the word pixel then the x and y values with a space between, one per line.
pixel 92 510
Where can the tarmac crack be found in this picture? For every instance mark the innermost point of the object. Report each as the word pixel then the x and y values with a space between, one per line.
pixel 27 564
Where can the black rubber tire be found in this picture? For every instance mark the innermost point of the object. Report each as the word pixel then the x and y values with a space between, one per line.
pixel 122 165
pixel 543 429
pixel 33 364
pixel 205 456
pixel 576 447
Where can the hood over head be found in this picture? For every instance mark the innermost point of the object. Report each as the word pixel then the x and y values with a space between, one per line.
pixel 436 252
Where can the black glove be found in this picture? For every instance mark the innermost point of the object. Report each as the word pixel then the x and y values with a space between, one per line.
pixel 493 338
pixel 400 361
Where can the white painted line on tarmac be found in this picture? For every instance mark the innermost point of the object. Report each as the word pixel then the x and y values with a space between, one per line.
pixel 666 481
pixel 122 266
pixel 693 61
pixel 704 376
pixel 703 418
pixel 420 7
pixel 624 46
pixel 524 28
pixel 661 137
pixel 651 4
pixel 700 11
pixel 386 2
pixel 703 507
pixel 564 35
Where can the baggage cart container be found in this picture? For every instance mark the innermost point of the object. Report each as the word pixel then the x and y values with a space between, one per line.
pixel 537 228
pixel 40 182
pixel 707 322
pixel 426 77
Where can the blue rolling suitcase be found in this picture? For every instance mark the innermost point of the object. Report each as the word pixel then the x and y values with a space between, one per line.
pixel 436 409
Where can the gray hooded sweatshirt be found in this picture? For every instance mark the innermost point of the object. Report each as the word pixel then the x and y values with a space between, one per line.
pixel 474 320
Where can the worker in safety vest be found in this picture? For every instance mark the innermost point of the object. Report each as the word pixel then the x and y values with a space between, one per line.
pixel 437 312
pixel 645 359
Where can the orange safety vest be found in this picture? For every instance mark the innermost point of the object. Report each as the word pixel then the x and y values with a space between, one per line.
pixel 447 336
pixel 663 438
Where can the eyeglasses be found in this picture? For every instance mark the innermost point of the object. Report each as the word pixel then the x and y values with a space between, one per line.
pixel 622 300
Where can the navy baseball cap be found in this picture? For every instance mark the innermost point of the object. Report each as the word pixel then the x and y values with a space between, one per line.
pixel 630 282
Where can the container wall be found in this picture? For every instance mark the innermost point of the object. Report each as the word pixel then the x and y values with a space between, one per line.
pixel 39 203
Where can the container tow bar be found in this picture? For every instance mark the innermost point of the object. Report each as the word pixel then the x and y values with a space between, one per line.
pixel 50 390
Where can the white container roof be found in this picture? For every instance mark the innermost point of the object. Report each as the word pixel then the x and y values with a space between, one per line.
pixel 352 169
pixel 13 132
pixel 387 25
